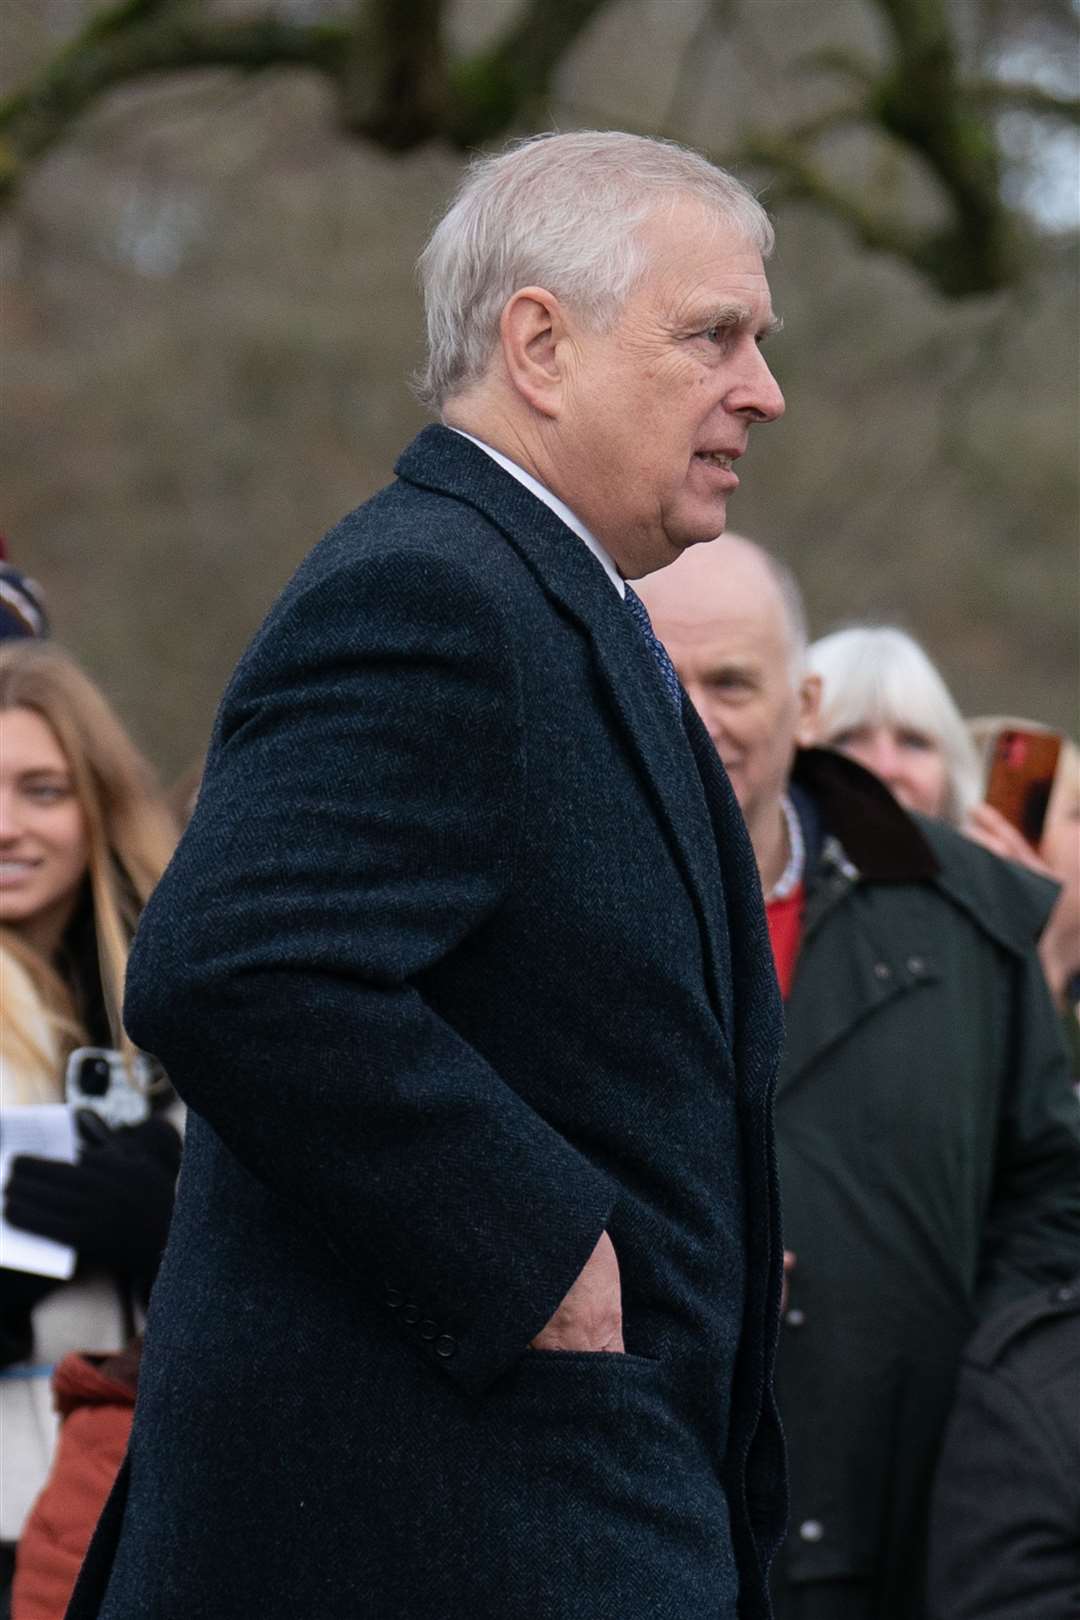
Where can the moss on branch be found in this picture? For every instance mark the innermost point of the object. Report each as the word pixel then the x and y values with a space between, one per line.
pixel 397 85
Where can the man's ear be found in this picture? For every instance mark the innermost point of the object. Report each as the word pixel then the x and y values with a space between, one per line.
pixel 531 332
pixel 808 729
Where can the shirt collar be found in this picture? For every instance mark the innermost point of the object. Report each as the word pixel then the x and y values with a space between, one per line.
pixel 561 510
pixel 792 875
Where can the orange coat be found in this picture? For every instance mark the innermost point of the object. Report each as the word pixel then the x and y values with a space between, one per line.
pixel 95 1396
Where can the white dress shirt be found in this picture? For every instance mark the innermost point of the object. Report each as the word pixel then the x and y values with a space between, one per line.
pixel 561 511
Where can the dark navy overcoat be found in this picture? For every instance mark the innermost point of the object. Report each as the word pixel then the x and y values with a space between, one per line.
pixel 461 961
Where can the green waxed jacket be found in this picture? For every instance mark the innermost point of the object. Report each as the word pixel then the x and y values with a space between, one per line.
pixel 929 1151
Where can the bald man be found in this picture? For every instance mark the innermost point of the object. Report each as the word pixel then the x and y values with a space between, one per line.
pixel 928 1140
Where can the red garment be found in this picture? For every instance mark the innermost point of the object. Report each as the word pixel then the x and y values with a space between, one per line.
pixel 95 1396
pixel 785 920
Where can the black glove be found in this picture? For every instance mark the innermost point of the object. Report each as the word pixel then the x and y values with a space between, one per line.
pixel 113 1207
pixel 20 1291
pixel 154 1136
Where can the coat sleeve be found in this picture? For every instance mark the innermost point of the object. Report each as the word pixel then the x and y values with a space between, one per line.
pixel 1002 1525
pixel 358 821
pixel 1032 1233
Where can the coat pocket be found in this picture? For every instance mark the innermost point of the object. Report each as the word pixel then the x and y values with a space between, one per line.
pixel 610 1469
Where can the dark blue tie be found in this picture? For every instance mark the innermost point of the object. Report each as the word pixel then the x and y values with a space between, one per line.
pixel 640 614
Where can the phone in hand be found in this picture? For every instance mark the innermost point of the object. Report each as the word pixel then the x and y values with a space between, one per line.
pixel 97 1078
pixel 1021 776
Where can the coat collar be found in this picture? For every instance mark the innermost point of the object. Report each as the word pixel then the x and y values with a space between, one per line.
pixel 451 464
pixel 887 845
pixel 856 807
pixel 575 581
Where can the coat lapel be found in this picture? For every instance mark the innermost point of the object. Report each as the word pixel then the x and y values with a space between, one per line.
pixel 574 580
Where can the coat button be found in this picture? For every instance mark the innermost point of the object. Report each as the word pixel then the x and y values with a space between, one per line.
pixel 394 1297
pixel 811 1530
pixel 795 1318
pixel 445 1346
pixel 411 1313
pixel 916 966
pixel 1062 1295
pixel 882 971
pixel 428 1329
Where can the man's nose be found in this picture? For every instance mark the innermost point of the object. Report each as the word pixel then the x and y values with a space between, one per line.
pixel 758 395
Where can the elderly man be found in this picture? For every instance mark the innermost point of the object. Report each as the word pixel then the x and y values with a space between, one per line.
pixel 927 1138
pixel 471 1295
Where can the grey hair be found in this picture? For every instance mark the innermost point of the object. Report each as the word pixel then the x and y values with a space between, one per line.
pixel 879 675
pixel 794 609
pixel 563 212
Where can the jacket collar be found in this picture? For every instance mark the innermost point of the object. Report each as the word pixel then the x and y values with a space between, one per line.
pixel 575 581
pixel 839 799
pixel 453 464
pixel 855 807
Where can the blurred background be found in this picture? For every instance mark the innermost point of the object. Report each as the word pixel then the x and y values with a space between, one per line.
pixel 211 215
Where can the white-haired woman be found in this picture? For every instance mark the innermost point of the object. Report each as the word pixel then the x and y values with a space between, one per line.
pixel 886 706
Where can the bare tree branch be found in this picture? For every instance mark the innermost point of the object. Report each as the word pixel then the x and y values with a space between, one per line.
pixel 845 63
pixel 152 38
pixel 922 102
pixel 843 115
pixel 1002 95
pixel 395 89
pixel 692 64
pixel 490 90
pixel 797 178
pixel 397 86
pixel 387 63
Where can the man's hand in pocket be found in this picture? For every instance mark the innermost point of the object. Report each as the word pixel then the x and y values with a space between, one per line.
pixel 590 1317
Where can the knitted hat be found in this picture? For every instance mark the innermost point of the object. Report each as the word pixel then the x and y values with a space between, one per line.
pixel 22 605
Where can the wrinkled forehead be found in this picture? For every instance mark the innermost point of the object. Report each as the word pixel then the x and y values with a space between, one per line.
pixel 679 223
pixel 692 243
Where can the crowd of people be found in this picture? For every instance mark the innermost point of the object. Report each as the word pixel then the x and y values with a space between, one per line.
pixel 85 836
pixel 927 1126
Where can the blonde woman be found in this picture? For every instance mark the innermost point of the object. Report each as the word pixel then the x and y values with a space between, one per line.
pixel 83 840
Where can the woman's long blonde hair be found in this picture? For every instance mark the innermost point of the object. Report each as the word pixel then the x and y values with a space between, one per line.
pixel 129 832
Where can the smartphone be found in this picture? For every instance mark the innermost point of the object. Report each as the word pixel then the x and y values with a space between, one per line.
pixel 1021 775
pixel 96 1078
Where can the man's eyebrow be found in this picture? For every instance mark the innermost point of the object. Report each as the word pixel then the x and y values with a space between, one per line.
pixel 744 668
pixel 733 314
pixel 736 314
